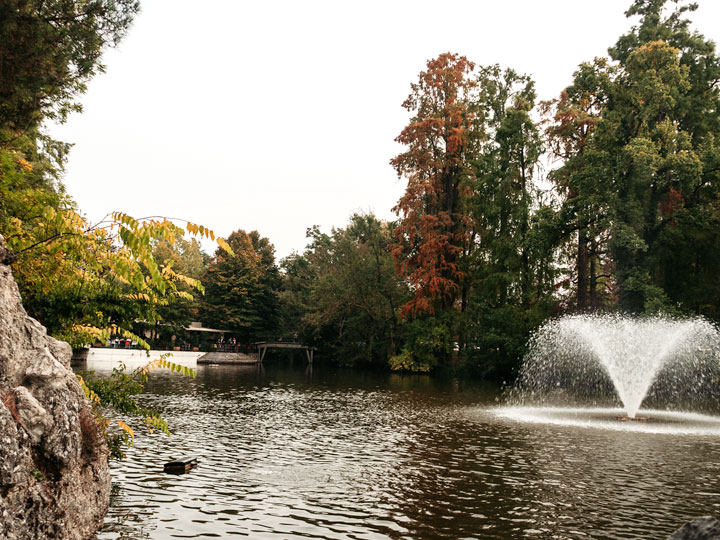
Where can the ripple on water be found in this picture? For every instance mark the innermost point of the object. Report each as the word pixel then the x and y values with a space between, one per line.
pixel 331 455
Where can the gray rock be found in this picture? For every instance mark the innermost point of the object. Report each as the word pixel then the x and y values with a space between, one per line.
pixel 31 415
pixel 702 528
pixel 54 474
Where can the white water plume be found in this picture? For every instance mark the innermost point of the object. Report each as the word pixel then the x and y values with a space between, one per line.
pixel 584 357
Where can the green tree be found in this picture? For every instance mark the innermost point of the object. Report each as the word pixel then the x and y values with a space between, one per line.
pixel 504 192
pixel 342 294
pixel 680 117
pixel 354 296
pixel 583 220
pixel 49 50
pixel 297 276
pixel 640 172
pixel 241 289
pixel 511 265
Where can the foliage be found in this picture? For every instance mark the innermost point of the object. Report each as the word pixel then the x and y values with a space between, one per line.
pixel 77 278
pixel 481 252
pixel 639 177
pixel 184 258
pixel 583 220
pixel 242 287
pixel 467 237
pixel 117 395
pixel 441 139
pixel 49 51
pixel 504 190
pixel 83 281
pixel 428 339
pixel 80 279
pixel 511 265
pixel 672 95
pixel 346 293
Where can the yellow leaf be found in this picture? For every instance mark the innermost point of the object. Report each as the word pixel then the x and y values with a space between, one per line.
pixel 128 430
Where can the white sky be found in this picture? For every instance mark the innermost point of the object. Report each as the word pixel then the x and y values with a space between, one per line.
pixel 278 115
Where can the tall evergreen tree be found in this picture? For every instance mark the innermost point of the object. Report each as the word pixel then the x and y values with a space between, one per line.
pixel 511 266
pixel 640 171
pixel 241 289
pixel 682 227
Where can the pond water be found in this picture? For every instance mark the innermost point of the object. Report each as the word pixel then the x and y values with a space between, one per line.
pixel 288 452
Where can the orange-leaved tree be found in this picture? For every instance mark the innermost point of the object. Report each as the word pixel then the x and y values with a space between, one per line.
pixel 441 140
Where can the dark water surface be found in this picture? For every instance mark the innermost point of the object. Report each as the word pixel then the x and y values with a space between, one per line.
pixel 287 452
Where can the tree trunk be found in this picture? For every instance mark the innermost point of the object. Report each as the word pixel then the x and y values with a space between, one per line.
pixel 594 300
pixel 582 271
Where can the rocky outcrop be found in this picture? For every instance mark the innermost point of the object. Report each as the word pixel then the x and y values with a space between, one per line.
pixel 54 474
pixel 702 528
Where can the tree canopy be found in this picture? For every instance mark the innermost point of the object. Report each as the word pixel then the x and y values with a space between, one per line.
pixel 242 287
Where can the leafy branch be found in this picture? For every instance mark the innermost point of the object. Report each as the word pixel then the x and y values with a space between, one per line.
pixel 117 395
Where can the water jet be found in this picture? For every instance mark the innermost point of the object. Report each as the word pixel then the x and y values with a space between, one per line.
pixel 618 363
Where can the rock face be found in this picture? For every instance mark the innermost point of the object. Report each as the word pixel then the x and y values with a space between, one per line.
pixel 54 474
pixel 702 528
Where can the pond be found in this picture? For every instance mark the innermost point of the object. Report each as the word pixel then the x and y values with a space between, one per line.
pixel 324 453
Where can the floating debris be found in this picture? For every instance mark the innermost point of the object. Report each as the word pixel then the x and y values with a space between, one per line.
pixel 181 466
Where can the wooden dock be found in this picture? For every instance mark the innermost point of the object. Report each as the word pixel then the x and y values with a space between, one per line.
pixel 263 346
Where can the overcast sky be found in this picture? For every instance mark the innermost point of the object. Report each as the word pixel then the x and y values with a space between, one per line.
pixel 278 115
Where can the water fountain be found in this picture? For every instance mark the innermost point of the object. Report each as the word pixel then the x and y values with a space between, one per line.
pixel 586 369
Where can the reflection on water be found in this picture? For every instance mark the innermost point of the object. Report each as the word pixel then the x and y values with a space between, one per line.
pixel 289 453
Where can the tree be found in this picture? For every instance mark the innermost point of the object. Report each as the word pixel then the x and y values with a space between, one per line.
pixel 655 159
pixel 511 267
pixel 84 281
pixel 350 294
pixel 73 275
pixel 48 52
pixel 442 139
pixel 504 192
pixel 641 188
pixel 81 280
pixel 241 289
pixel 681 118
pixel 583 219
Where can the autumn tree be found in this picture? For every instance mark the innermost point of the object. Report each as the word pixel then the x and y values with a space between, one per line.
pixel 442 138
pixel 583 220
